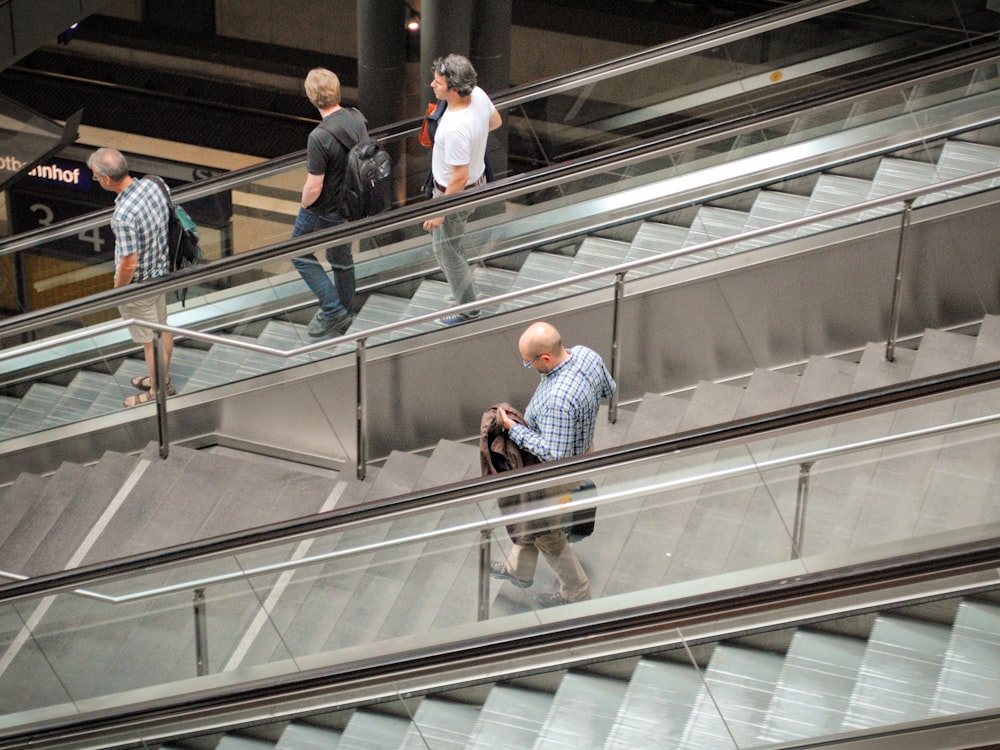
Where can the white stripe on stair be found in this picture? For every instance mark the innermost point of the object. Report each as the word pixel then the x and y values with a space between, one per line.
pixel 85 546
pixel 264 613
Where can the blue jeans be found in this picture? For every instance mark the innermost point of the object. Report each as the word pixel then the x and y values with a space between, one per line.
pixel 335 297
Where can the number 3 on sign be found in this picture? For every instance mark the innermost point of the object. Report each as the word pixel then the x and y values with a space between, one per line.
pixel 90 237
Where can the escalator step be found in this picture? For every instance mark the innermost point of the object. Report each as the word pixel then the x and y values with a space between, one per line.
pixel 814 688
pixel 510 717
pixel 771 207
pixel 653 238
pixel 713 223
pixel 656 706
pixel 31 412
pixel 900 668
pixel 739 684
pixel 235 742
pixel 441 724
pixel 970 677
pixel 539 268
pixel 367 730
pixel 959 158
pixel 583 712
pixel 302 736
pixel 221 364
pixel 895 175
pixel 987 341
pixel 831 192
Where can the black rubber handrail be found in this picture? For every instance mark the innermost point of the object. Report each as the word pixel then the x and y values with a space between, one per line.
pixel 507 483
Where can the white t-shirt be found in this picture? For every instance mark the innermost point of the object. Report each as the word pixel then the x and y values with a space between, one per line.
pixel 461 139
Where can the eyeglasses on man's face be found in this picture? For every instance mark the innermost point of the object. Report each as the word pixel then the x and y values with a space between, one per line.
pixel 528 363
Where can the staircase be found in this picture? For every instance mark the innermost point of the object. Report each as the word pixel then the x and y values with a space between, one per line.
pixel 819 683
pixel 129 504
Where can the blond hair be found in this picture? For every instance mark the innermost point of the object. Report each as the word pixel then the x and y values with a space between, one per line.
pixel 323 88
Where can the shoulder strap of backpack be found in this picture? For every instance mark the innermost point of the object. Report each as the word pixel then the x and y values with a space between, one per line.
pixel 158 181
pixel 339 132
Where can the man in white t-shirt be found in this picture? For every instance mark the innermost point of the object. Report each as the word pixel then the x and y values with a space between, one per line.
pixel 458 161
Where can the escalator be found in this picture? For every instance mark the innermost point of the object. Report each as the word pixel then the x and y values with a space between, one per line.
pixel 360 626
pixel 295 613
pixel 592 213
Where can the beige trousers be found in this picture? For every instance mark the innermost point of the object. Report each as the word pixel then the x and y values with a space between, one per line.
pixel 573 583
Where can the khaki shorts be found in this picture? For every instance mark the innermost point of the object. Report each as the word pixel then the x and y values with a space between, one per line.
pixel 154 310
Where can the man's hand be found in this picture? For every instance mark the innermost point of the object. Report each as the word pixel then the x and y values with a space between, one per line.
pixel 431 224
pixel 505 418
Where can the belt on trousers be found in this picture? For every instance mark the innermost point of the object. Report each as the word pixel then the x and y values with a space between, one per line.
pixel 477 183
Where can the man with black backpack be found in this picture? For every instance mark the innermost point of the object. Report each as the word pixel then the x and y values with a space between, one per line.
pixel 326 162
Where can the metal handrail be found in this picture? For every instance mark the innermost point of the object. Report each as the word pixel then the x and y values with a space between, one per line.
pixel 619 271
pixel 620 268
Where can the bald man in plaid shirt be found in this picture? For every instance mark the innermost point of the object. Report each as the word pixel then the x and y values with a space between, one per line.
pixel 559 422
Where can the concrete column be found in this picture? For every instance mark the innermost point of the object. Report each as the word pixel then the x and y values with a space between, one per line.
pixel 490 54
pixel 381 60
pixel 490 44
pixel 445 27
pixel 382 74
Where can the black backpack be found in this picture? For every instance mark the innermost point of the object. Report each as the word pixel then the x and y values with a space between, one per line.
pixel 182 234
pixel 183 250
pixel 366 189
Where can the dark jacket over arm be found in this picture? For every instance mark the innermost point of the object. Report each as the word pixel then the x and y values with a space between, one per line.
pixel 497 453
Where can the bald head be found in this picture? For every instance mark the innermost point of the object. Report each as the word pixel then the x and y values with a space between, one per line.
pixel 542 338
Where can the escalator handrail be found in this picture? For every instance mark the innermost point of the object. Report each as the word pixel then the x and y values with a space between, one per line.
pixel 396 219
pixel 180 280
pixel 408 128
pixel 508 483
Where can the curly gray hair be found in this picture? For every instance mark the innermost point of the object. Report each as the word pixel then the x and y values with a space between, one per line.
pixel 458 73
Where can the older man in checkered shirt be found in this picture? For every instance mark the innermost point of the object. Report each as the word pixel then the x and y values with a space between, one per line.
pixel 140 220
pixel 559 422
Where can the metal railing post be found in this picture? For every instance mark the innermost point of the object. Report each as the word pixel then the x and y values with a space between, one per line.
pixel 615 359
pixel 160 377
pixel 485 555
pixel 362 408
pixel 801 499
pixel 200 633
pixel 897 295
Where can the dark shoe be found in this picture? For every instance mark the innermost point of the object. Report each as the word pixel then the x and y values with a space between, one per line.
pixel 321 325
pixel 554 599
pixel 499 570
pixel 142 383
pixel 454 320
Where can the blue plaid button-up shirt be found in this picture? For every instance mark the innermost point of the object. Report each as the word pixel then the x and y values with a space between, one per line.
pixel 562 415
pixel 140 227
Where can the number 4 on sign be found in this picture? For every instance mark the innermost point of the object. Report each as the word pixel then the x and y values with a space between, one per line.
pixel 92 237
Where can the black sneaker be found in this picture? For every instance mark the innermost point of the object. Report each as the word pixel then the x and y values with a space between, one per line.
pixel 499 570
